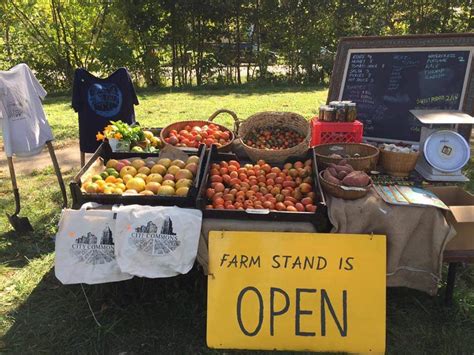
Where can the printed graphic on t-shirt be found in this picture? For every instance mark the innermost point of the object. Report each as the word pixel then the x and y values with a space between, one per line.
pixel 147 239
pixel 16 105
pixel 90 250
pixel 105 99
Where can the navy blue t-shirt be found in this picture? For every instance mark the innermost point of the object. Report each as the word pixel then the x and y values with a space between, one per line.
pixel 99 101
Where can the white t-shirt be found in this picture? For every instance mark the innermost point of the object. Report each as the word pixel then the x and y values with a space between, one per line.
pixel 24 124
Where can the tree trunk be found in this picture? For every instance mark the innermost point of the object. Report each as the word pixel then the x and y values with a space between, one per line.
pixel 173 63
pixel 238 42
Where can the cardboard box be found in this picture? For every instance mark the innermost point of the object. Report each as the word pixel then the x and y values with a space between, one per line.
pixel 460 216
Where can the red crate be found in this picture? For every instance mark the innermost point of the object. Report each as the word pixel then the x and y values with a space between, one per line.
pixel 336 132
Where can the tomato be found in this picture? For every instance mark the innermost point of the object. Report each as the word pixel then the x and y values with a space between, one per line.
pixel 218 201
pixel 210 192
pixel 216 178
pixel 311 208
pixel 219 187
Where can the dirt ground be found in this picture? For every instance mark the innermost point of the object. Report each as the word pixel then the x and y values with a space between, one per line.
pixel 68 156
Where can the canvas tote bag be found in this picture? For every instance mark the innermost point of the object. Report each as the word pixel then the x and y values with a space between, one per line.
pixel 156 241
pixel 85 249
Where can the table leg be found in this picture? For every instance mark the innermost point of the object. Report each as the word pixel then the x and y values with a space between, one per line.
pixel 83 159
pixel 448 297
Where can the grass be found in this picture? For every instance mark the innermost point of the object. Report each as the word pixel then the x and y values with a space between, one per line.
pixel 39 315
pixel 160 108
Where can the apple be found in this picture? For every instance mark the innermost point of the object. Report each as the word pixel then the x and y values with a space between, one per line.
pixel 182 191
pixel 183 174
pixel 179 163
pixel 158 169
pixel 153 186
pixel 173 169
pixel 155 178
pixel 183 183
pixel 165 162
pixel 144 170
pixel 112 163
pixel 192 167
pixel 136 184
pixel 128 170
pixel 138 163
pixel 166 190
pixel 169 177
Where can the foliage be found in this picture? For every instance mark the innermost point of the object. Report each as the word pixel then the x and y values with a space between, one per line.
pixel 199 42
pixel 121 131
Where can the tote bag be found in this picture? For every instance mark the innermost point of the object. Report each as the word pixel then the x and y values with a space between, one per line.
pixel 156 241
pixel 85 248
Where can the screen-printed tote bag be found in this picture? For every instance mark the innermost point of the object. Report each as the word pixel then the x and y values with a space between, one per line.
pixel 156 241
pixel 85 248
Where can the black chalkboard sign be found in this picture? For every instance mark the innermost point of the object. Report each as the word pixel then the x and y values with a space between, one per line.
pixel 387 83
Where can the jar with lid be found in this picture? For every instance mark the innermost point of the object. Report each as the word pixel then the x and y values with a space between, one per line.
pixel 322 112
pixel 340 112
pixel 330 114
pixel 351 112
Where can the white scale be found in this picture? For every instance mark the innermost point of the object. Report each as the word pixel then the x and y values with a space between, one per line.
pixel 443 151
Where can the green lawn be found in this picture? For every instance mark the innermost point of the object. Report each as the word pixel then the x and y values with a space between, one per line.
pixel 39 315
pixel 158 109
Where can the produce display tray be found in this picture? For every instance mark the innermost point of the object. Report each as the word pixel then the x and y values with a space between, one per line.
pixel 319 218
pixel 104 152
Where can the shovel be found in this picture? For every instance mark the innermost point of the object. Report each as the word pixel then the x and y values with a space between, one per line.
pixel 20 224
pixel 57 172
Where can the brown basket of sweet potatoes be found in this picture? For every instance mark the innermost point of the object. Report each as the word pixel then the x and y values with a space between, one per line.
pixel 342 181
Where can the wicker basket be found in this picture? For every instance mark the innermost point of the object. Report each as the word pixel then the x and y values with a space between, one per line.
pixel 181 124
pixel 398 164
pixel 367 161
pixel 337 191
pixel 280 120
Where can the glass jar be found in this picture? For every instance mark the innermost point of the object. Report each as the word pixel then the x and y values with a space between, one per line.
pixel 351 112
pixel 330 114
pixel 340 112
pixel 322 112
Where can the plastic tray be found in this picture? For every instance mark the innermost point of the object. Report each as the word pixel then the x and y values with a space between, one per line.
pixel 318 218
pixel 104 152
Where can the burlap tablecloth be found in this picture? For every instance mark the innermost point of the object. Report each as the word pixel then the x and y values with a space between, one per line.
pixel 416 237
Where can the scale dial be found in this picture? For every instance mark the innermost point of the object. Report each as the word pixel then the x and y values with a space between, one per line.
pixel 446 151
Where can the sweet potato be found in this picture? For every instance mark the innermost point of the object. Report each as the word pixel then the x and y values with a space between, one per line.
pixel 345 168
pixel 332 171
pixel 342 174
pixel 348 166
pixel 328 177
pixel 342 162
pixel 356 179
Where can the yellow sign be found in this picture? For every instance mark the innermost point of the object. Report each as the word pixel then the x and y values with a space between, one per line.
pixel 296 291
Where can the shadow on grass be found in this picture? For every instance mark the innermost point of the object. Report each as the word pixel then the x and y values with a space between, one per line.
pixel 168 316
pixel 138 316
pixel 17 249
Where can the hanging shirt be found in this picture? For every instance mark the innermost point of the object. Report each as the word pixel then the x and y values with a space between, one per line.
pixel 99 101
pixel 24 124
